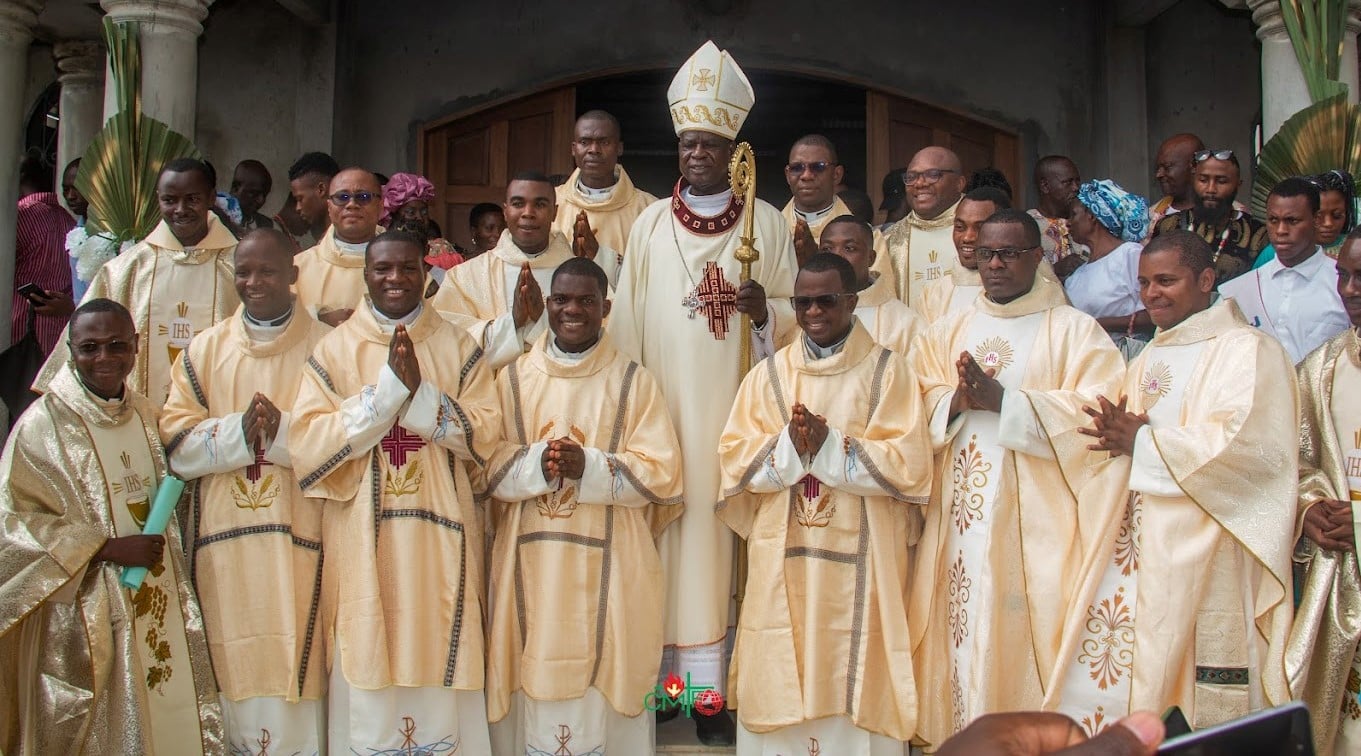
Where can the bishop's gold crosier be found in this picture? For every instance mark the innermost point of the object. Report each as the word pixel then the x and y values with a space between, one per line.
pixel 742 175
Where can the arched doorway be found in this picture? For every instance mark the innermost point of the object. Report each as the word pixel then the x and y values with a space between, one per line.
pixel 470 155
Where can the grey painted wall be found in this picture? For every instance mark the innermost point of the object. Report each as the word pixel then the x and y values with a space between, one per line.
pixel 1030 66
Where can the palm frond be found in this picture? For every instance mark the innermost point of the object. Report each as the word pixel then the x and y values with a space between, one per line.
pixel 1319 138
pixel 1316 29
pixel 119 169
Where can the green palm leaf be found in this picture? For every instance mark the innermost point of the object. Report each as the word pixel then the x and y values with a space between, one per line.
pixel 1322 137
pixel 119 169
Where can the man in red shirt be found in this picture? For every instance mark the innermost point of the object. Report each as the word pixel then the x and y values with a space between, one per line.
pixel 40 257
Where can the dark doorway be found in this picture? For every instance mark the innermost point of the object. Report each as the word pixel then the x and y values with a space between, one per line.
pixel 787 107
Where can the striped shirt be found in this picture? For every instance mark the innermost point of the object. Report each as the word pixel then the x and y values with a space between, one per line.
pixel 40 258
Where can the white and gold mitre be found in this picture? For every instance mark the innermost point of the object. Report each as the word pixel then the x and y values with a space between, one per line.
pixel 710 93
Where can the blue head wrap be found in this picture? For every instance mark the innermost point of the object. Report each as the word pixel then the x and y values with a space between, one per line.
pixel 1123 214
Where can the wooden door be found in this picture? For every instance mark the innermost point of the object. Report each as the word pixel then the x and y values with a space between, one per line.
pixel 895 128
pixel 470 158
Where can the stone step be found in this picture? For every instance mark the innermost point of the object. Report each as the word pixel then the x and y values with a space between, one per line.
pixel 677 738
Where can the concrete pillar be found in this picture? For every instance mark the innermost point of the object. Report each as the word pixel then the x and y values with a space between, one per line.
pixel 169 35
pixel 1284 92
pixel 17 19
pixel 80 70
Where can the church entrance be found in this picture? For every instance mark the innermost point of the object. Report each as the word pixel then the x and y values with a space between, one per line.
pixel 469 156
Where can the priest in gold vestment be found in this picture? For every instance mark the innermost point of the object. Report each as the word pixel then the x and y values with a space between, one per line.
pixel 1005 383
pixel 598 203
pixel 813 174
pixel 176 282
pixel 87 666
pixel 1322 659
pixel 255 540
pixel 920 246
pixel 503 288
pixel 331 274
pixel 396 410
pixel 1184 600
pixel 589 461
pixel 889 322
pixel 676 312
pixel 824 456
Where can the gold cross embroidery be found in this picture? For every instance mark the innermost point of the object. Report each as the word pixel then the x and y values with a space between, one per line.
pixel 703 80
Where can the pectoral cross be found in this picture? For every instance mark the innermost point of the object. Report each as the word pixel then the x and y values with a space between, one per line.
pixel 715 297
pixel 253 469
pixel 398 443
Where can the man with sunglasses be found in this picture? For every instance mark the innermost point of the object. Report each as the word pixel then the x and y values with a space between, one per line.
pixel 598 203
pixel 1234 236
pixel 331 274
pixel 177 282
pixel 920 246
pixel 825 458
pixel 813 174
pixel 1005 383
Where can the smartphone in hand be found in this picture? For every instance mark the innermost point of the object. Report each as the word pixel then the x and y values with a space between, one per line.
pixel 32 291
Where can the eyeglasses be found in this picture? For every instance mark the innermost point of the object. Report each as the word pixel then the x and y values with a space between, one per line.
pixel 823 301
pixel 983 254
pixel 1204 155
pixel 341 199
pixel 93 348
pixel 797 169
pixel 929 176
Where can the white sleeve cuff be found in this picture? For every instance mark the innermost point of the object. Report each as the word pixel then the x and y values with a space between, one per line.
pixel 942 428
pixel 1019 430
pixel 525 480
pixel 782 469
pixel 763 337
pixel 216 445
pixel 277 453
pixel 603 483
pixel 609 261
pixel 369 414
pixel 502 343
pixel 1148 473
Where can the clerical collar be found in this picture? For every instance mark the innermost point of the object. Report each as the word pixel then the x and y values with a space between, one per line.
pixel 815 352
pixel 389 324
pixel 597 194
pixel 815 216
pixel 707 204
pixel 112 406
pixel 348 248
pixel 282 320
pixel 570 357
pixel 266 330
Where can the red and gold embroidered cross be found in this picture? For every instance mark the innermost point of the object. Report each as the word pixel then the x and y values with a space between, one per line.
pixel 398 443
pixel 812 487
pixel 253 469
pixel 715 297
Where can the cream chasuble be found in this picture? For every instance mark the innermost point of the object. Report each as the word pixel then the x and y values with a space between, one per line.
pixel 577 584
pixel 330 278
pixel 610 214
pixel 890 322
pixel 1321 659
pixel 1207 505
pixel 958 289
pixel 173 293
pixel 484 287
pixel 89 666
pixel 255 541
pixel 675 313
pixel 402 596
pixel 919 252
pixel 822 651
pixel 1003 509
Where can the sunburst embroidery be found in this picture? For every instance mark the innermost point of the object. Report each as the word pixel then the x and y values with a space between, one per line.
pixel 1155 383
pixel 994 353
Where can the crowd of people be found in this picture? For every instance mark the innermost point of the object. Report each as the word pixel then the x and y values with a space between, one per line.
pixel 860 495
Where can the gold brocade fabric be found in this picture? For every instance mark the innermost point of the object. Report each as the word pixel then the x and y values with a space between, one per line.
pixel 131 279
pixel 823 631
pixel 1238 470
pixel 255 539
pixel 477 288
pixel 402 602
pixel 1039 534
pixel 68 659
pixel 1327 628
pixel 329 279
pixel 577 582
pixel 897 260
pixel 610 218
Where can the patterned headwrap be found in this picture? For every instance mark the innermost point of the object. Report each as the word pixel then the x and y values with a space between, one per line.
pixel 1122 213
pixel 401 189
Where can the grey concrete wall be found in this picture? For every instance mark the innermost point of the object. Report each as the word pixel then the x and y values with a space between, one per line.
pixel 1204 76
pixel 1030 66
pixel 266 90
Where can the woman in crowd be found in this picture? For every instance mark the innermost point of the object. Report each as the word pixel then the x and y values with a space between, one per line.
pixel 1112 223
pixel 406 207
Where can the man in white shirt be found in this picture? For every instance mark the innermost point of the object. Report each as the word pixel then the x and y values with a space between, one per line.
pixel 1293 297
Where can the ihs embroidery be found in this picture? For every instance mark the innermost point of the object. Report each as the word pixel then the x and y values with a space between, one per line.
pixel 994 353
